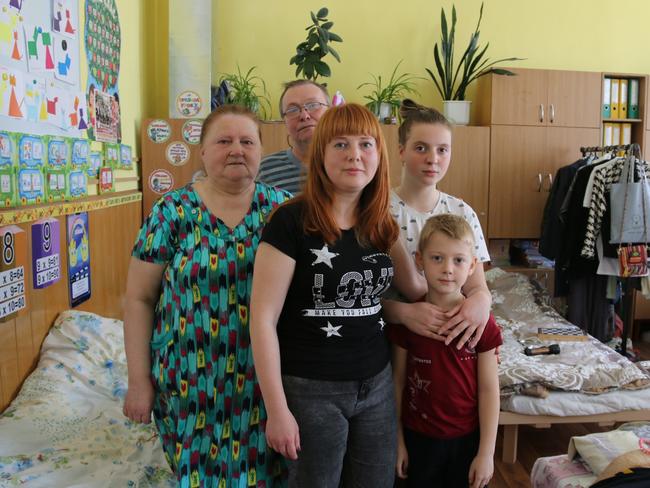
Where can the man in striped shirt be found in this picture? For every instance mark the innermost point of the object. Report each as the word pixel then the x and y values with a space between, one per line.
pixel 302 103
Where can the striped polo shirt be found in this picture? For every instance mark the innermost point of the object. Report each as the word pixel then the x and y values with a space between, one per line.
pixel 283 170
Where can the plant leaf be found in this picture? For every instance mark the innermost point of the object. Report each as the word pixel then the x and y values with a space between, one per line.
pixel 327 25
pixel 322 13
pixel 322 69
pixel 313 18
pixel 334 37
pixel 334 53
pixel 435 82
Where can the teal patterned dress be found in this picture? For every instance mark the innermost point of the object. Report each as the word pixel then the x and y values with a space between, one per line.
pixel 208 406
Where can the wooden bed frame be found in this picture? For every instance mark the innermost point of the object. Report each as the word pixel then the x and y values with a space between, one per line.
pixel 512 421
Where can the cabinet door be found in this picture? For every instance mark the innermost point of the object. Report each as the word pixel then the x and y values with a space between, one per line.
pixel 520 99
pixel 468 173
pixel 517 159
pixel 563 147
pixel 573 99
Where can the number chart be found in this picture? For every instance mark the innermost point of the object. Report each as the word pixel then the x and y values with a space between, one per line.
pixel 13 297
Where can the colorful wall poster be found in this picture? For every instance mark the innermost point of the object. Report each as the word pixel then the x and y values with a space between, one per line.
pixel 78 258
pixel 66 60
pixel 80 153
pixel 31 167
pixel 126 159
pixel 106 117
pixel 106 180
pixel 78 177
pixel 112 155
pixel 57 168
pixel 159 130
pixel 35 101
pixel 46 252
pixel 12 36
pixel 161 181
pixel 65 17
pixel 40 56
pixel 177 153
pixel 95 162
pixel 8 166
pixel 103 42
pixel 12 92
pixel 13 245
pixel 77 183
pixel 192 131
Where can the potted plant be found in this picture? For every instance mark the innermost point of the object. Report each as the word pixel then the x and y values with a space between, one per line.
pixel 385 97
pixel 452 81
pixel 243 89
pixel 310 53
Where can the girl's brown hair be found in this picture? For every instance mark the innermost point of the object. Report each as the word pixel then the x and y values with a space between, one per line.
pixel 229 110
pixel 414 113
pixel 374 225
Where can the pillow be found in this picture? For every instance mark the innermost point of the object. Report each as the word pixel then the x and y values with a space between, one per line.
pixel 600 449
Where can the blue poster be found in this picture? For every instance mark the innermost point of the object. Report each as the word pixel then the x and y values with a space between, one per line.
pixel 78 258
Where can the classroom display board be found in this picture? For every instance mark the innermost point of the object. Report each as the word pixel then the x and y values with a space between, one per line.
pixel 171 156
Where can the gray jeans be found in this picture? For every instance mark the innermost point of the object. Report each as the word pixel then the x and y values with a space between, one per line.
pixel 348 432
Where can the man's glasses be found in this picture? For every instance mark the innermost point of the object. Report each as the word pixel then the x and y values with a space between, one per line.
pixel 294 110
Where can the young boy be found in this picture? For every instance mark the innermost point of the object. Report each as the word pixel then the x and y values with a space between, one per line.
pixel 447 399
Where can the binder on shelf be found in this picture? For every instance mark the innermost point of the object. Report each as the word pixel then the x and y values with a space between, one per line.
pixel 607 133
pixel 626 134
pixel 614 97
pixel 622 99
pixel 616 133
pixel 607 98
pixel 633 99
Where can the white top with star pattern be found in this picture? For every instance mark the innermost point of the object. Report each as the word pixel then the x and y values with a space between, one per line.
pixel 411 221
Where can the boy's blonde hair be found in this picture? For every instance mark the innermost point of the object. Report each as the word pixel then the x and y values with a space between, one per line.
pixel 453 226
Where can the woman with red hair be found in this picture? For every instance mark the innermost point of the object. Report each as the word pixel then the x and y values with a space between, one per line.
pixel 322 360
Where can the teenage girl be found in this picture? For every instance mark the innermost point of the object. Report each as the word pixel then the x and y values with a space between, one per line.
pixel 425 150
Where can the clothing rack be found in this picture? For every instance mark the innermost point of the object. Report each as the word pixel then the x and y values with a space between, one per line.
pixel 627 303
pixel 634 149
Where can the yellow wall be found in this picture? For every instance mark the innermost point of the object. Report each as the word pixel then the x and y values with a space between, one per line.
pixel 561 34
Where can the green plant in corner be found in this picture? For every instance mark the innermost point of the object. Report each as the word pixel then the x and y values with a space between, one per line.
pixel 451 81
pixel 389 92
pixel 310 53
pixel 243 89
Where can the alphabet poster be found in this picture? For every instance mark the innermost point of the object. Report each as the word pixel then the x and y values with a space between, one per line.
pixel 78 258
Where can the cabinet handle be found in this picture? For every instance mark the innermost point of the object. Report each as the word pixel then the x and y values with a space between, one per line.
pixel 552 110
pixel 541 112
pixel 539 179
pixel 550 181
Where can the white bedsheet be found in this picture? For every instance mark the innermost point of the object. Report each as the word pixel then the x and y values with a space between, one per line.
pixel 565 403
pixel 66 427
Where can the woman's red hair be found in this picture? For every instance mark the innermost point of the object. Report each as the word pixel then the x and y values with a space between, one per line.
pixel 374 225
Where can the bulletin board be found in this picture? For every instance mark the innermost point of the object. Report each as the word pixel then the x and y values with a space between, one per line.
pixel 170 156
pixel 40 56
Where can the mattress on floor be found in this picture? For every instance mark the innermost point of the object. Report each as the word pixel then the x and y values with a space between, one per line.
pixel 66 426
pixel 561 472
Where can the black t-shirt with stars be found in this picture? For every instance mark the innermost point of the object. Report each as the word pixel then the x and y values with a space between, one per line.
pixel 331 325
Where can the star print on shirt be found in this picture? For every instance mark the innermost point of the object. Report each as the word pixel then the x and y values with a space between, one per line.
pixel 418 383
pixel 324 256
pixel 331 330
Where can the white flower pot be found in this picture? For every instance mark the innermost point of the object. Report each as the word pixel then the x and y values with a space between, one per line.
pixel 385 110
pixel 457 111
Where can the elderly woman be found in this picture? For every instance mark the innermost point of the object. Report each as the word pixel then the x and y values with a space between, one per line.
pixel 186 315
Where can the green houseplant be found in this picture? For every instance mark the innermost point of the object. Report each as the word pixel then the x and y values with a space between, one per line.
pixel 244 89
pixel 310 53
pixel 452 80
pixel 386 95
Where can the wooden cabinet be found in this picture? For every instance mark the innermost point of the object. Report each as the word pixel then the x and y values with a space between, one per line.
pixel 523 161
pixel 541 98
pixel 539 120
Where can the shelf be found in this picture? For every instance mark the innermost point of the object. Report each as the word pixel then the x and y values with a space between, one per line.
pixel 622 121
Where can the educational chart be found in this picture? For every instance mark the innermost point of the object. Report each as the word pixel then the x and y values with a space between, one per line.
pixel 103 39
pixel 46 253
pixel 13 245
pixel 40 87
pixel 8 165
pixel 78 258
pixel 31 176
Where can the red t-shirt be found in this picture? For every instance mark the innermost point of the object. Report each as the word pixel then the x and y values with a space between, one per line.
pixel 440 397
